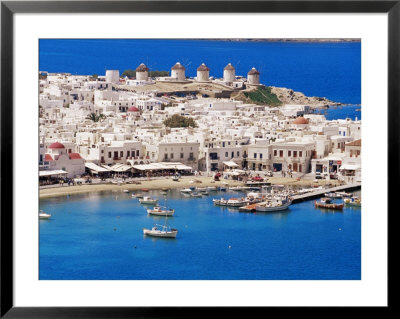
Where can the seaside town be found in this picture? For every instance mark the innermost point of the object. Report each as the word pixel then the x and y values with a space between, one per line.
pixel 113 129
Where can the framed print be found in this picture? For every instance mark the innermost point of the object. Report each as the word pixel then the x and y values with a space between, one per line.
pixel 165 157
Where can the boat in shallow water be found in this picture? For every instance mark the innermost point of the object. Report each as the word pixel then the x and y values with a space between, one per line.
pixel 43 215
pixel 161 211
pixel 148 200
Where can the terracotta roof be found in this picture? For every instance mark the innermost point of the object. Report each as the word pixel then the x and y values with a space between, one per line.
pixel 74 156
pixel 300 120
pixel 253 71
pixel 354 143
pixel 203 67
pixel 47 157
pixel 178 66
pixel 142 68
pixel 56 145
pixel 133 109
pixel 229 67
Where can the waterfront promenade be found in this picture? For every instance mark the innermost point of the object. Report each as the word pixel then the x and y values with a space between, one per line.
pixel 167 182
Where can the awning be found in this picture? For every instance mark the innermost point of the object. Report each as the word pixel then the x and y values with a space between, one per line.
pixel 161 166
pixel 231 164
pixel 120 168
pixel 96 168
pixel 350 167
pixel 55 172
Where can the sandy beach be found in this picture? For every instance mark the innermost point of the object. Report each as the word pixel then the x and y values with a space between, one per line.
pixel 187 181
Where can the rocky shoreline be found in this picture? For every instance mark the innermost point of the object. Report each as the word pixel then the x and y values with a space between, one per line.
pixel 288 96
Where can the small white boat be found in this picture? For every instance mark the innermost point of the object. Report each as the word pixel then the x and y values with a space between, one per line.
pixel 137 195
pixel 220 202
pixel 175 178
pixel 237 202
pixel 275 204
pixel 43 215
pixel 126 191
pixel 332 195
pixel 161 211
pixel 186 190
pixel 161 231
pixel 196 194
pixel 148 200
pixel 343 194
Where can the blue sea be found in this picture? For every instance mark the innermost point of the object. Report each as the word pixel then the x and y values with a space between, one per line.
pixel 331 70
pixel 99 236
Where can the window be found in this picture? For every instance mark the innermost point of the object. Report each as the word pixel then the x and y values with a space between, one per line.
pixel 255 155
pixel 128 153
pixel 121 154
pixel 300 153
pixel 223 144
pixel 181 155
pixel 294 153
pixel 275 152
pixel 137 153
pixel 260 155
pixel 233 154
pixel 226 154
pixel 281 153
pixel 165 156
pixel 289 153
pixel 172 155
pixel 109 154
pixel 238 154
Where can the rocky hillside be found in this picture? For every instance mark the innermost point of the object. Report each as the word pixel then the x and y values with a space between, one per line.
pixel 274 96
pixel 288 96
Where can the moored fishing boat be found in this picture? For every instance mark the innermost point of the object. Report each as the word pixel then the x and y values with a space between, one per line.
pixel 353 201
pixel 196 194
pixel 220 202
pixel 43 215
pixel 236 202
pixel 328 205
pixel 148 200
pixel 186 191
pixel 161 211
pixel 161 231
pixel 274 204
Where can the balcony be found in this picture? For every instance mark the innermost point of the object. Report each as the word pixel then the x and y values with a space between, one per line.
pixel 116 158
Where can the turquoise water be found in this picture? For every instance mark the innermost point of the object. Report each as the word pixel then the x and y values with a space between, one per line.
pixel 99 236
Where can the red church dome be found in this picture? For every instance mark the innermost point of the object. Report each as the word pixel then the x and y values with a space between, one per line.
pixel 300 120
pixel 56 145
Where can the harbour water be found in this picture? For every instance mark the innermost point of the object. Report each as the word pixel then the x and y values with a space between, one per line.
pixel 99 236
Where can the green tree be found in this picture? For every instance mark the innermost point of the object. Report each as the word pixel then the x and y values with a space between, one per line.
pixel 95 117
pixel 179 121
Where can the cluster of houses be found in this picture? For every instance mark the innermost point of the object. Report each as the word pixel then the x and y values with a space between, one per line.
pixel 91 125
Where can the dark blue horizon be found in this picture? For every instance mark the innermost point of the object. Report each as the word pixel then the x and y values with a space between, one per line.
pixel 331 70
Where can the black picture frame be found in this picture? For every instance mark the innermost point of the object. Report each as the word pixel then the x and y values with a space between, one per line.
pixel 9 8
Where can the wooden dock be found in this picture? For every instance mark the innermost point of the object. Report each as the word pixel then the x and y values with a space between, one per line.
pixel 321 192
